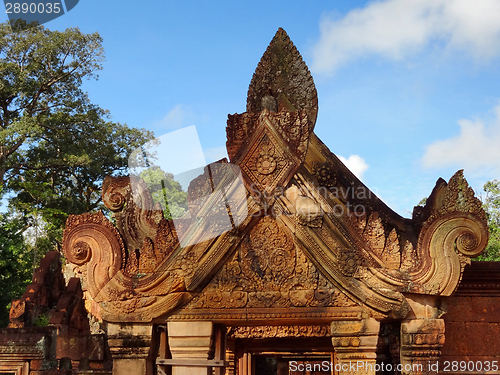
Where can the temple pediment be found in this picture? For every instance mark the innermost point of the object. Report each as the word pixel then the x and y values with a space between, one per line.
pixel 314 243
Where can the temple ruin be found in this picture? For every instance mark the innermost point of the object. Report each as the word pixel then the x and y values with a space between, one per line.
pixel 320 272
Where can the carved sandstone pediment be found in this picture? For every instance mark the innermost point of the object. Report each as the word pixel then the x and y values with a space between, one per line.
pixel 315 243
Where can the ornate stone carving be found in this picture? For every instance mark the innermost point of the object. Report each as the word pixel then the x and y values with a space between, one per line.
pixel 115 191
pixel 311 256
pixel 410 260
pixel 266 315
pixel 92 242
pixel 283 75
pixel 293 129
pixel 356 342
pixel 269 271
pixel 374 234
pixel 136 219
pixel 269 331
pixel 325 174
pixel 348 261
pixel 456 227
pixel 421 343
pixel 132 263
pixel 238 131
pixel 392 255
pixel 264 159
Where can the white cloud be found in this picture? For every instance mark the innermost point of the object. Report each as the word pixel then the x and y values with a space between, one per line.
pixel 356 165
pixel 178 117
pixel 476 148
pixel 396 29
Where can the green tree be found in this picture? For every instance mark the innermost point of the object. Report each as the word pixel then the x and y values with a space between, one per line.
pixel 491 205
pixel 16 266
pixel 40 93
pixel 165 191
pixel 56 147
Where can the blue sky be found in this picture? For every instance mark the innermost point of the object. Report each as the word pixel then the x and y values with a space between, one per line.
pixel 408 89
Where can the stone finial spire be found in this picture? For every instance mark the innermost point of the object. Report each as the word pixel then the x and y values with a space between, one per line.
pixel 282 75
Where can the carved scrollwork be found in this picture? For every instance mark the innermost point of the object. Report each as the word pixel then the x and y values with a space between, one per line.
pixel 136 216
pixel 452 228
pixel 92 242
pixel 452 234
pixel 456 228
pixel 467 243
pixel 115 191
pixel 80 253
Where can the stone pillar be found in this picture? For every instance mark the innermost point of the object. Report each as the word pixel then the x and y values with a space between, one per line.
pixel 422 336
pixel 421 342
pixel 355 343
pixel 190 342
pixel 129 344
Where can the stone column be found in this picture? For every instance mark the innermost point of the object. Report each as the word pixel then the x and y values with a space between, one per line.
pixel 355 343
pixel 190 343
pixel 421 342
pixel 422 336
pixel 129 344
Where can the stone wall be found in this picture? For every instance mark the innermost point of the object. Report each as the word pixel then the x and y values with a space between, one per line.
pixel 473 317
pixel 63 345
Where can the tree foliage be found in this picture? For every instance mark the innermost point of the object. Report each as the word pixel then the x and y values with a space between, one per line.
pixel 491 205
pixel 166 192
pixel 16 264
pixel 40 94
pixel 56 146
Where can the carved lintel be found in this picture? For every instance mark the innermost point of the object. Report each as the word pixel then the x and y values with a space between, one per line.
pixel 270 331
pixel 262 316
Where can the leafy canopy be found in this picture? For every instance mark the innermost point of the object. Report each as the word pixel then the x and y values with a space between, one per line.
pixel 491 205
pixel 56 146
pixel 16 265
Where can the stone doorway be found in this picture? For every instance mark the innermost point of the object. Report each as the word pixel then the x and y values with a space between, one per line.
pixel 284 356
pixel 292 365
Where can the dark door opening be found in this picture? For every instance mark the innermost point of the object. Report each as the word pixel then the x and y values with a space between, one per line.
pixel 291 365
